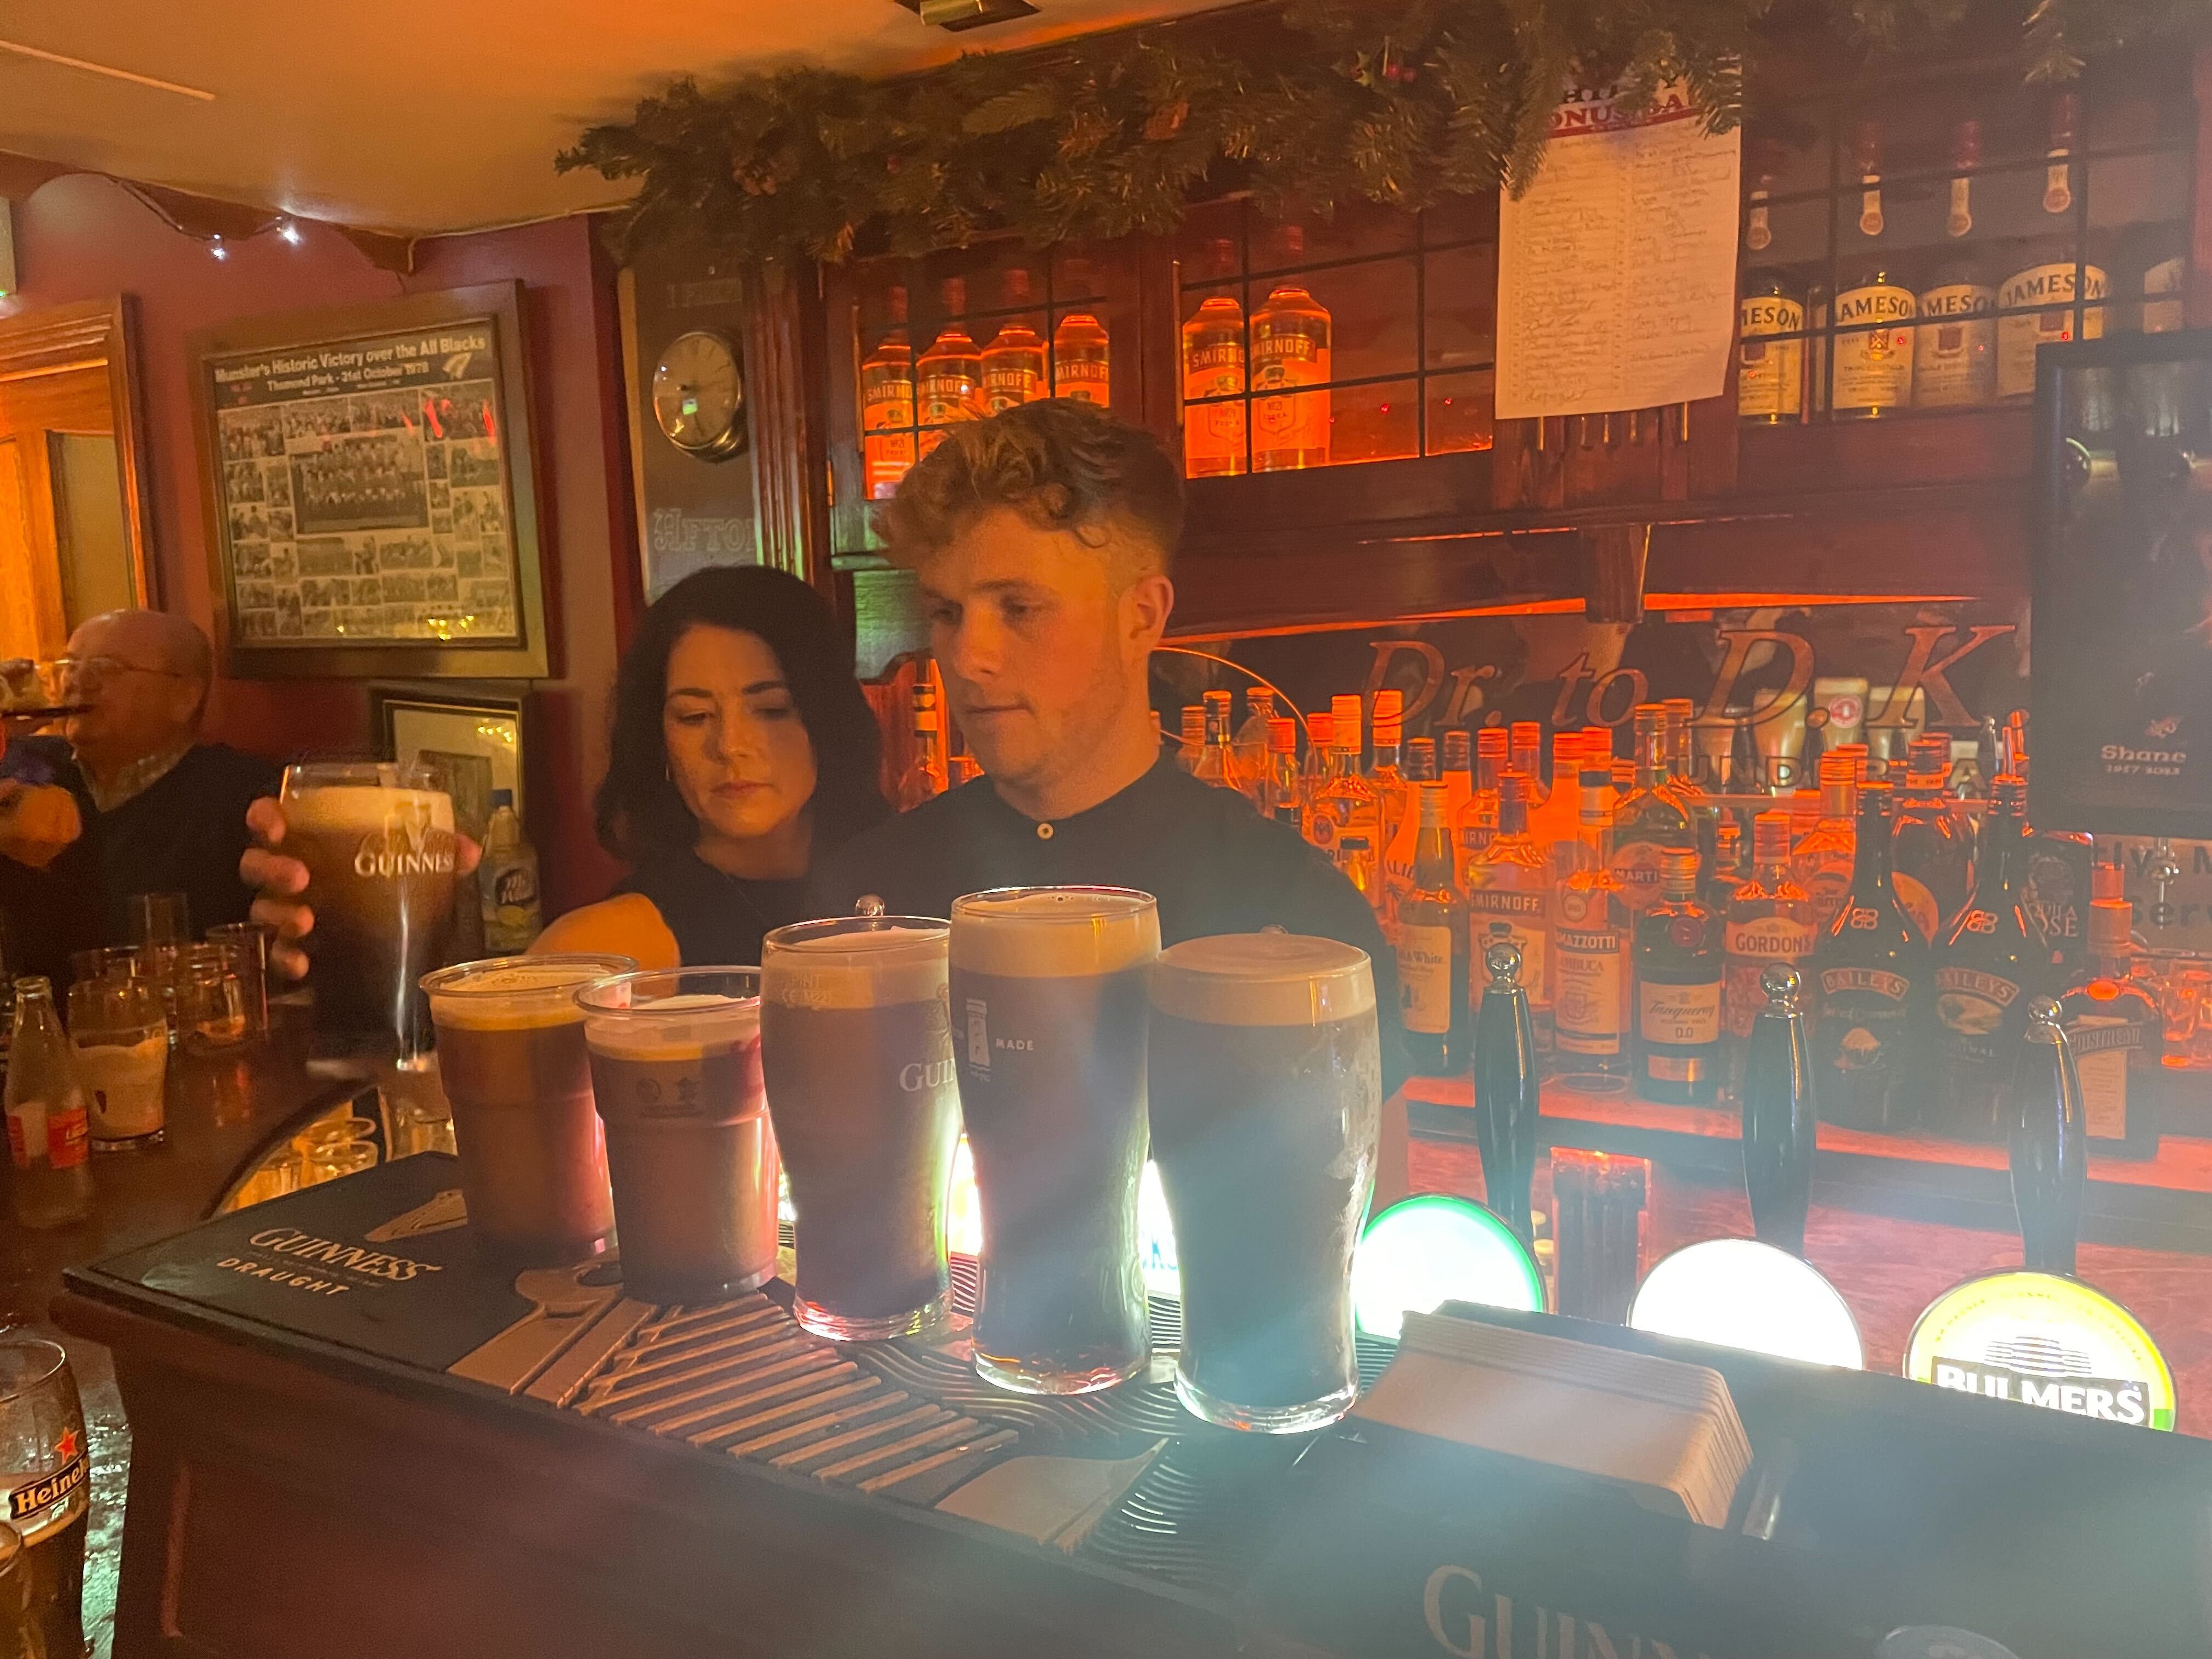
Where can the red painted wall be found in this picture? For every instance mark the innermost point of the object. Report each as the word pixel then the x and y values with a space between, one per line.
pixel 83 237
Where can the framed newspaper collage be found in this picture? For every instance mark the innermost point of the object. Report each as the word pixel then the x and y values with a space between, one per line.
pixel 370 500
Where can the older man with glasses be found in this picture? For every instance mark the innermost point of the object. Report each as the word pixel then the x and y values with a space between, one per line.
pixel 154 809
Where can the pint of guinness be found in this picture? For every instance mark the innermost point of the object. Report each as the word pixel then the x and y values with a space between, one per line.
pixel 1048 1015
pixel 510 1052
pixel 378 841
pixel 1267 1093
pixel 675 1066
pixel 856 1048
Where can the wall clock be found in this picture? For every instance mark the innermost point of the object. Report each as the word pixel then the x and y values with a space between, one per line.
pixel 699 395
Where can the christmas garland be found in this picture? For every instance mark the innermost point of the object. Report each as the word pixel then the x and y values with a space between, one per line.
pixel 1397 102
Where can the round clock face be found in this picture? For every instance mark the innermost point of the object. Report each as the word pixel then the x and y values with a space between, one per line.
pixel 699 396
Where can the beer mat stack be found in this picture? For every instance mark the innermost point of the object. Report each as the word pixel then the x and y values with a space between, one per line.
pixel 1666 1433
pixel 1052 1500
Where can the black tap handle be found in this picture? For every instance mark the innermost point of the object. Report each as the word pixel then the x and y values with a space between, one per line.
pixel 2050 1142
pixel 1781 1125
pixel 1507 1090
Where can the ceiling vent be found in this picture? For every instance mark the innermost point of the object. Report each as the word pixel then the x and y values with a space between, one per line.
pixel 958 15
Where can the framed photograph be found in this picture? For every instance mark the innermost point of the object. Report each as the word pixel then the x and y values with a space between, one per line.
pixel 2121 691
pixel 471 737
pixel 371 501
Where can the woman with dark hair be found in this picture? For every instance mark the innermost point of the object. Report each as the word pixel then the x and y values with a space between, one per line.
pixel 742 749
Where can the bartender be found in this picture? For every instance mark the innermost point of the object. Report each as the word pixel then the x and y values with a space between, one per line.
pixel 1044 538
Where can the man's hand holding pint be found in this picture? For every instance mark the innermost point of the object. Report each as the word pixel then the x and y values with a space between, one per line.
pixel 280 880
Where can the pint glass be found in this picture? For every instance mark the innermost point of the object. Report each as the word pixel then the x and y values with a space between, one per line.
pixel 675 1066
pixel 1049 1011
pixel 46 1492
pixel 378 841
pixel 857 1051
pixel 511 1055
pixel 1267 1093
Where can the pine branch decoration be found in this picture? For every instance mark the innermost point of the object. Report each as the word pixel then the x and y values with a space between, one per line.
pixel 1396 102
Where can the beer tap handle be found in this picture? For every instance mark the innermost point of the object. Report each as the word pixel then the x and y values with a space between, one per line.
pixel 1781 1124
pixel 2050 1145
pixel 1506 1088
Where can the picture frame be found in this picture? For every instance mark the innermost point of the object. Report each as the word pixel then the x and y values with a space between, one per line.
pixel 474 739
pixel 369 489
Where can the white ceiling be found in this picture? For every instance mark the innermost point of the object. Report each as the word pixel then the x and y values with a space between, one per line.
pixel 423 117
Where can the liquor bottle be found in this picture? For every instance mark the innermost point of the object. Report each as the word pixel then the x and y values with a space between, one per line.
pixel 2038 305
pixel 1769 380
pixel 2118 1039
pixel 1253 737
pixel 1678 990
pixel 1874 344
pixel 926 775
pixel 1290 349
pixel 1781 1119
pixel 1321 731
pixel 1717 886
pixel 1354 854
pixel 1931 858
pixel 1347 803
pixel 507 882
pixel 1678 719
pixel 1954 361
pixel 1216 760
pixel 1387 716
pixel 1824 856
pixel 1986 968
pixel 1476 821
pixel 1285 799
pixel 1193 736
pixel 1591 969
pixel 950 376
pixel 1404 845
pixel 2046 1132
pixel 1082 353
pixel 1013 363
pixel 887 406
pixel 2054 895
pixel 1872 969
pixel 1510 900
pixel 1431 939
pixel 1214 367
pixel 1558 820
pixel 1458 773
pixel 1650 818
pixel 49 1135
pixel 1966 158
pixel 1865 157
pixel 1768 921
pixel 1525 754
pixel 1508 1090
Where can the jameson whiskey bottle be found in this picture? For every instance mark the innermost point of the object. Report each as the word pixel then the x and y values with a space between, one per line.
pixel 950 376
pixel 1824 857
pixel 1510 900
pixel 1932 857
pixel 1770 379
pixel 1872 966
pixel 1954 361
pixel 1082 352
pixel 1290 349
pixel 1214 367
pixel 1013 363
pixel 1433 948
pixel 1873 344
pixel 2118 1039
pixel 1651 817
pixel 1592 969
pixel 1678 990
pixel 887 406
pixel 1986 966
pixel 1769 920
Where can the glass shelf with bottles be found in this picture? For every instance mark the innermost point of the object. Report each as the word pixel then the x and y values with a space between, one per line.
pixel 964 336
pixel 1368 337
pixel 1909 253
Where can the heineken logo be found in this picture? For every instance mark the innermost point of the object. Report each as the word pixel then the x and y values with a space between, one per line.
pixel 44 1491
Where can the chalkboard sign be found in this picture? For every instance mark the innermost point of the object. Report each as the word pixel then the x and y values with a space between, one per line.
pixel 2122 619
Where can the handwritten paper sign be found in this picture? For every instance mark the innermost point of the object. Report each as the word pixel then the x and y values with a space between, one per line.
pixel 1616 271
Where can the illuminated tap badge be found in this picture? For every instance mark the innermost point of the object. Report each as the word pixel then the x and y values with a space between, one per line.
pixel 2043 1340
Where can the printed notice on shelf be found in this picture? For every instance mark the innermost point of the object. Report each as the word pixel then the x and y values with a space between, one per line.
pixel 1616 271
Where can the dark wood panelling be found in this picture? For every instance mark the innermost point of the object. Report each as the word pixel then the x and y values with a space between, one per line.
pixel 785 330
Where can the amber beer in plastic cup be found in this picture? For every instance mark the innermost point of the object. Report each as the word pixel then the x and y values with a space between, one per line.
pixel 511 1055
pixel 1048 1017
pixel 676 1068
pixel 857 1052
pixel 1266 1095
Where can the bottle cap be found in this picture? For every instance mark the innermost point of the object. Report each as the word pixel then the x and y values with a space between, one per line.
pixel 1220 700
pixel 1597 743
pixel 1389 705
pixel 1528 734
pixel 1259 699
pixel 1321 730
pixel 1769 838
pixel 1501 959
pixel 1493 742
pixel 1459 743
pixel 2108 881
pixel 1678 867
pixel 2111 927
pixel 1193 720
pixel 1929 756
pixel 1388 734
pixel 1345 706
pixel 1782 983
pixel 1283 736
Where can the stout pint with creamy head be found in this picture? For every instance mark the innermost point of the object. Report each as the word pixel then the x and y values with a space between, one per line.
pixel 378 841
pixel 1267 1094
pixel 1048 1018
pixel 857 1051
pixel 511 1056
